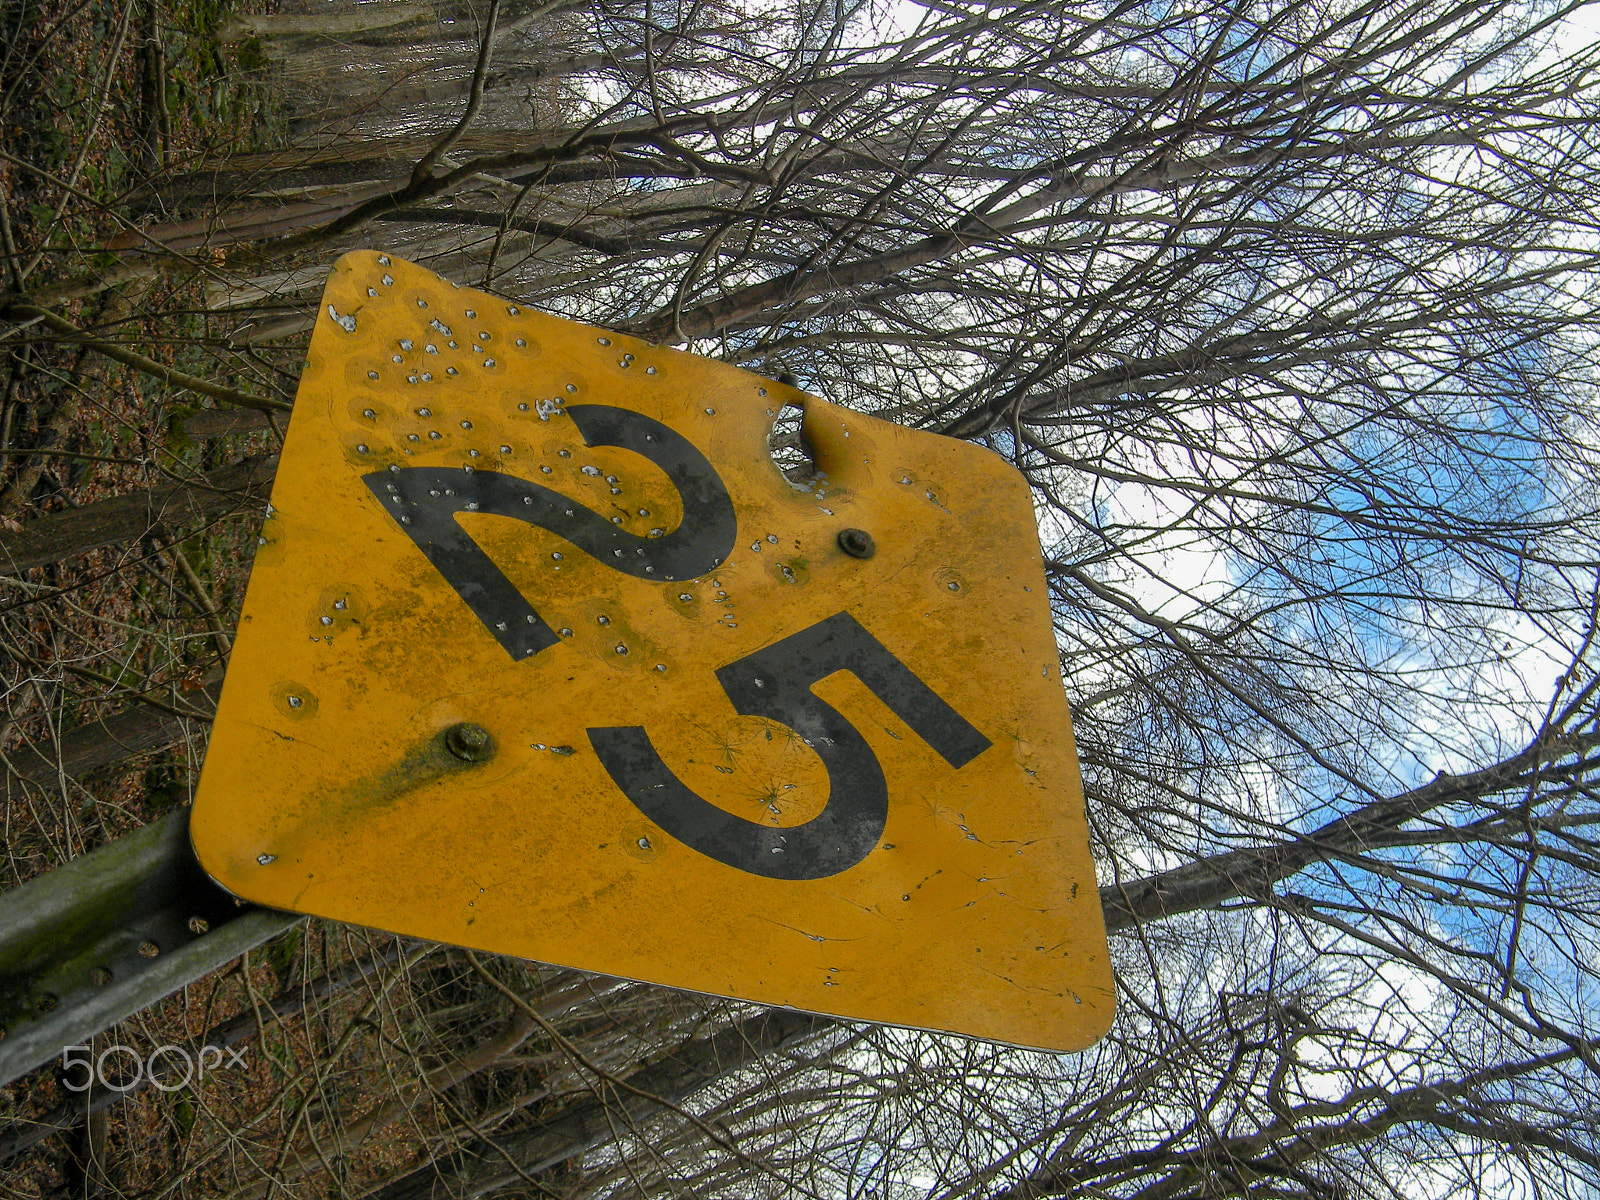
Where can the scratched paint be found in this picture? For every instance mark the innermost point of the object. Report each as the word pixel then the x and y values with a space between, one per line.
pixel 579 542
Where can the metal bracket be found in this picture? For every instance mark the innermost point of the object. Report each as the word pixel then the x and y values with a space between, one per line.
pixel 112 932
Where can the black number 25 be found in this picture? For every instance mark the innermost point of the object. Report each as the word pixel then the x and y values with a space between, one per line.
pixel 773 682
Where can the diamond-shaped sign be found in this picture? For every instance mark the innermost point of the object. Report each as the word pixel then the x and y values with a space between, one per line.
pixel 543 654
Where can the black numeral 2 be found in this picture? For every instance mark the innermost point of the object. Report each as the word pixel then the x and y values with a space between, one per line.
pixel 775 682
pixel 425 501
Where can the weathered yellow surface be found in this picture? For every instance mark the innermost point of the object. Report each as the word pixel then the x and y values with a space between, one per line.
pixel 329 789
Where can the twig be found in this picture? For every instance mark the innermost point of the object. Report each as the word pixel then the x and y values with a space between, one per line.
pixel 200 599
pixel 101 108
pixel 717 1136
pixel 8 241
pixel 145 364
pixel 480 72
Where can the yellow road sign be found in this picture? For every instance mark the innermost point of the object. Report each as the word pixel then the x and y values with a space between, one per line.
pixel 543 654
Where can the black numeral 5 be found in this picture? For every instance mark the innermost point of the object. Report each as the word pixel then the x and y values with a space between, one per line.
pixel 775 682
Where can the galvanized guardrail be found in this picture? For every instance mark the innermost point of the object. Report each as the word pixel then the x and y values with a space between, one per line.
pixel 111 933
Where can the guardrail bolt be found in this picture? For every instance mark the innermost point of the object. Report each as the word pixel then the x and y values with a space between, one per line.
pixel 857 543
pixel 469 742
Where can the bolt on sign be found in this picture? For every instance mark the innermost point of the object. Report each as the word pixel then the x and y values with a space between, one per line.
pixel 543 654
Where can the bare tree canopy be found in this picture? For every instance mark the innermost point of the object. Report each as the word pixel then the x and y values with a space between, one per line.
pixel 1288 313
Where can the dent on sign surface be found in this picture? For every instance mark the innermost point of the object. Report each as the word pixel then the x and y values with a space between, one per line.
pixel 727 750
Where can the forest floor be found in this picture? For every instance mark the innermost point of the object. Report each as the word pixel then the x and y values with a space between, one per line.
pixel 101 100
